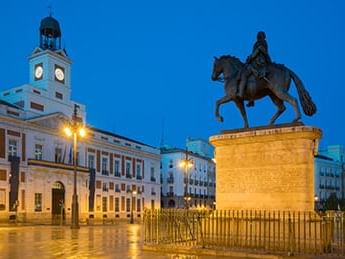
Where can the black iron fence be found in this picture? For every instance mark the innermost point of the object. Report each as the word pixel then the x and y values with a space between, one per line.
pixel 269 231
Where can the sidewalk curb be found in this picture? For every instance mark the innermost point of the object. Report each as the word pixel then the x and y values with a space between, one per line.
pixel 205 251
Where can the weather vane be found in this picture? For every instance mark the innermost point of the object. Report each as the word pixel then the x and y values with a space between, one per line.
pixel 50 7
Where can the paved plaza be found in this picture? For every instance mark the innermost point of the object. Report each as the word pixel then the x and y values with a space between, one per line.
pixel 102 241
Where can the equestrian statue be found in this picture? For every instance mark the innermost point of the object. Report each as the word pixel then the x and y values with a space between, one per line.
pixel 257 78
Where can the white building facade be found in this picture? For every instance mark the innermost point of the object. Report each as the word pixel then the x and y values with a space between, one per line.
pixel 193 186
pixel 329 172
pixel 116 176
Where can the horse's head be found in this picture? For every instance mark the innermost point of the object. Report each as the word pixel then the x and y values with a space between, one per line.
pixel 217 68
pixel 228 65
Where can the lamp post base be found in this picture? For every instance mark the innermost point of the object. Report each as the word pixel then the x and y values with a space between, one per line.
pixel 75 212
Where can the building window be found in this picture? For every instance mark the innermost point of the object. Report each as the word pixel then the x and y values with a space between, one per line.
pixel 111 203
pixel 58 95
pixel 58 155
pixel 123 186
pixel 128 205
pixel 36 106
pixel 117 168
pixel 117 204
pixel 122 203
pixel 12 147
pixel 153 178
pixel 138 205
pixel 23 200
pixel 105 166
pixel 98 202
pixel 138 171
pixel 22 177
pixel 111 186
pixel 38 201
pixel 152 204
pixel 105 187
pixel 91 161
pixel 128 169
pixel 38 151
pixel 98 184
pixel 3 175
pixel 2 199
pixel 104 204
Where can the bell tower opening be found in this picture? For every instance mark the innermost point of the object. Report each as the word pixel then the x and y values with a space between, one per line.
pixel 50 33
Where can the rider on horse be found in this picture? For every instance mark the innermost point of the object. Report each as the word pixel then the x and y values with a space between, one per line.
pixel 256 64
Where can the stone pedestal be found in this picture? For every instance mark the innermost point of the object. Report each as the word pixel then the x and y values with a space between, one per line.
pixel 268 168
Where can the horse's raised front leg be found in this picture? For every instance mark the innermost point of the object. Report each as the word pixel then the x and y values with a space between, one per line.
pixel 219 102
pixel 280 105
pixel 240 106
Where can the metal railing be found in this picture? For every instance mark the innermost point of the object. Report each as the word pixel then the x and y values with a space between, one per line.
pixel 268 231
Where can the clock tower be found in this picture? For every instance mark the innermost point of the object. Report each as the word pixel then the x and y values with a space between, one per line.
pixel 49 63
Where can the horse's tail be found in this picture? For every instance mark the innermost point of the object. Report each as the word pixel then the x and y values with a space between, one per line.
pixel 307 103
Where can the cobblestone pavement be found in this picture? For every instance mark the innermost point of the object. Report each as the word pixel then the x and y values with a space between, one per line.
pixel 105 241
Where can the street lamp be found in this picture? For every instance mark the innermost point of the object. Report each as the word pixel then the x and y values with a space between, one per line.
pixel 74 129
pixel 186 164
pixel 132 218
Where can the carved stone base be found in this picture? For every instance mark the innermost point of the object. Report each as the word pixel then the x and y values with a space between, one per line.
pixel 268 169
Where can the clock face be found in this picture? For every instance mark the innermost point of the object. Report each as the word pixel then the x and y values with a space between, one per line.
pixel 59 74
pixel 38 72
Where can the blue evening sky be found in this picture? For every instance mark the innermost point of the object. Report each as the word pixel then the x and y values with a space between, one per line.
pixel 137 64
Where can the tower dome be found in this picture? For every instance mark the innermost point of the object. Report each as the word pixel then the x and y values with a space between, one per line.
pixel 50 33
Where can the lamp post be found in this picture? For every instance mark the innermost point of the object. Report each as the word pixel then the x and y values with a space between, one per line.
pixel 132 208
pixel 74 129
pixel 186 164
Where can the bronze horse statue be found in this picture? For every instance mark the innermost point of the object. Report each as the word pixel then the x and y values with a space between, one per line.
pixel 275 85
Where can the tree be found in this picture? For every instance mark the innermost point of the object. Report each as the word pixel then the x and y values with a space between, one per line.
pixel 332 202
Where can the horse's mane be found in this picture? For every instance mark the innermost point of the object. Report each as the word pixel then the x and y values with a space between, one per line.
pixel 235 61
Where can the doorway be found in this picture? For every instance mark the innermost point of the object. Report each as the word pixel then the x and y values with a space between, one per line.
pixel 58 201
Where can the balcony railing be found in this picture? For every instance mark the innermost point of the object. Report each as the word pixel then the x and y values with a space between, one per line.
pixel 170 179
pixel 196 182
pixel 117 190
pixel 139 177
pixel 153 193
pixel 191 181
pixel 129 176
pixel 105 172
pixel 153 179
pixel 117 174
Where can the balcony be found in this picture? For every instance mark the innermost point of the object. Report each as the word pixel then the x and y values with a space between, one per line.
pixel 153 193
pixel 105 172
pixel 129 176
pixel 205 184
pixel 105 189
pixel 117 190
pixel 196 182
pixel 117 174
pixel 153 179
pixel 170 179
pixel 139 177
pixel 191 181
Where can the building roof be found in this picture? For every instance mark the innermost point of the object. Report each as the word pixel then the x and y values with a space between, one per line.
pixel 119 136
pixel 324 157
pixel 165 150
pixel 9 104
